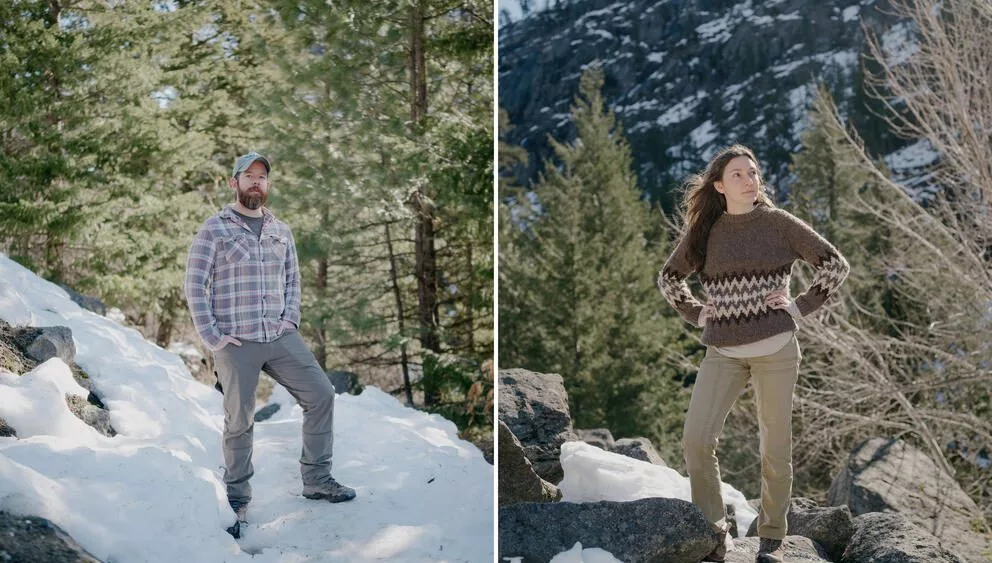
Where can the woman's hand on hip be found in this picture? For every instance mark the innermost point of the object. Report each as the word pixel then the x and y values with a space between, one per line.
pixel 705 313
pixel 778 299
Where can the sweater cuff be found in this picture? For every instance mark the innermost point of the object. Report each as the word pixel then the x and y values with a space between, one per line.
pixel 691 313
pixel 793 310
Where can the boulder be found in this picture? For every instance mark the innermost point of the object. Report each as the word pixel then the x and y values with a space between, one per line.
pixel 797 549
pixel 732 520
pixel 517 480
pixel 343 381
pixel 602 438
pixel 829 527
pixel 93 415
pixel 45 343
pixel 30 538
pixel 195 361
pixel 638 448
pixel 885 475
pixel 6 431
pixel 487 446
pixel 651 530
pixel 535 408
pixel 87 302
pixel 266 412
pixel 893 538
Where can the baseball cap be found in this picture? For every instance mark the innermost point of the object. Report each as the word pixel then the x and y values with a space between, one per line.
pixel 245 160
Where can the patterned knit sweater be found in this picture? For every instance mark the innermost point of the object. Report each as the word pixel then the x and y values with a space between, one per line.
pixel 748 256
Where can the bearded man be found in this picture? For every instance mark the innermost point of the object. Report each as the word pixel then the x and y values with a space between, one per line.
pixel 243 290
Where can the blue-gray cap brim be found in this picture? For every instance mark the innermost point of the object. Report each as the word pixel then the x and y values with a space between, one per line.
pixel 244 161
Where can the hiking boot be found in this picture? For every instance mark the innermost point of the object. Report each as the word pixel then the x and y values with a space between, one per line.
pixel 241 511
pixel 770 551
pixel 720 552
pixel 330 490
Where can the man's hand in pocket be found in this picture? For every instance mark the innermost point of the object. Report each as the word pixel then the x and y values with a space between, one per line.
pixel 225 340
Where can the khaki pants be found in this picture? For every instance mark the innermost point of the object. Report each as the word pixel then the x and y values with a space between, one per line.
pixel 288 360
pixel 719 383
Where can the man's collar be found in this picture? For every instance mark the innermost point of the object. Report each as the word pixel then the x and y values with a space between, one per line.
pixel 230 213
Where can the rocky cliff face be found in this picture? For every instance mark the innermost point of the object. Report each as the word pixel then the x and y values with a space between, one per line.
pixel 686 77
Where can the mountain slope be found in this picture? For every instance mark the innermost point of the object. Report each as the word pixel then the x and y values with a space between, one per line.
pixel 686 77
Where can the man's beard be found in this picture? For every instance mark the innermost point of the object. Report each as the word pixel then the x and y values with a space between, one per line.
pixel 252 198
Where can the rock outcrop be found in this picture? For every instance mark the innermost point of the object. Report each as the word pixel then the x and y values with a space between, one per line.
pixel 638 448
pixel 535 408
pixel 32 539
pixel 653 530
pixel 893 538
pixel 517 480
pixel 885 475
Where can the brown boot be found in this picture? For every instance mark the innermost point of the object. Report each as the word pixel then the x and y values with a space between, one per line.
pixel 770 551
pixel 720 553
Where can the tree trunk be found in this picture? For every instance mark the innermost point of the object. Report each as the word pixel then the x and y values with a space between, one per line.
pixel 399 316
pixel 427 288
pixel 164 334
pixel 417 65
pixel 469 296
pixel 425 253
pixel 322 272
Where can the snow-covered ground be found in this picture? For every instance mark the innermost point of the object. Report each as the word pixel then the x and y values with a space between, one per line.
pixel 154 492
pixel 592 474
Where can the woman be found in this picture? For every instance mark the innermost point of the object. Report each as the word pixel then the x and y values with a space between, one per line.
pixel 742 249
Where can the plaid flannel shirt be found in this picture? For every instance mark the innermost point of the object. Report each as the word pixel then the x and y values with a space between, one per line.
pixel 240 285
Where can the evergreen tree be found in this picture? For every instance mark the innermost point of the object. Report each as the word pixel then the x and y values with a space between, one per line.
pixel 71 131
pixel 367 171
pixel 125 150
pixel 200 74
pixel 587 301
pixel 378 120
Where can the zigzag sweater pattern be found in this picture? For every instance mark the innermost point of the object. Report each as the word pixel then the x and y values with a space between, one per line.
pixel 748 256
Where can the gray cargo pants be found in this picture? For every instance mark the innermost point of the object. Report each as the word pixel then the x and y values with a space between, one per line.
pixel 288 360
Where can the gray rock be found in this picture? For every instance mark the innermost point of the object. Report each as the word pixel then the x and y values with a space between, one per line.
pixel 266 412
pixel 638 448
pixel 893 538
pixel 85 382
pixel 87 302
pixel 652 530
pixel 487 447
pixel 535 407
pixel 732 520
pixel 6 431
pixel 32 539
pixel 517 480
pixel 884 475
pixel 830 527
pixel 91 414
pixel 195 362
pixel 52 342
pixel 602 438
pixel 343 381
pixel 797 548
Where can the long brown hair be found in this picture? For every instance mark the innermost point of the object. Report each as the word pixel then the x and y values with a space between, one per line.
pixel 702 205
